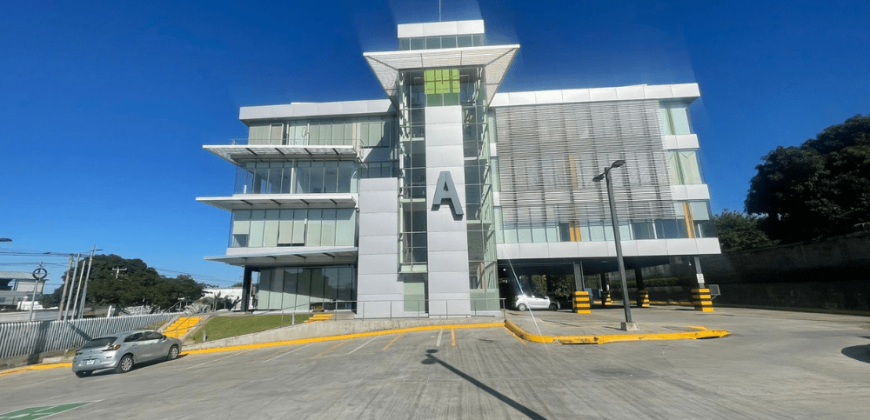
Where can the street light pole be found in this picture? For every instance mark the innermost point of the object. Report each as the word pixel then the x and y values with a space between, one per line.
pixel 628 325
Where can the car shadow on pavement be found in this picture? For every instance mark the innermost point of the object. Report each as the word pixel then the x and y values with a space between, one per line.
pixel 860 353
pixel 431 359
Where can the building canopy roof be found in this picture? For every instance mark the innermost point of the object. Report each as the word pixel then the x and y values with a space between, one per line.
pixel 16 275
pixel 495 59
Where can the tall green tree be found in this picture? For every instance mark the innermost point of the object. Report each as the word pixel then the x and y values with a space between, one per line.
pixel 739 231
pixel 819 188
pixel 130 282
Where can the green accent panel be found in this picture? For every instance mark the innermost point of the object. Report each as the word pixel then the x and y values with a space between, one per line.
pixel 454 74
pixel 415 295
pixel 451 99
pixel 455 86
pixel 430 88
pixel 429 75
pixel 434 100
pixel 487 300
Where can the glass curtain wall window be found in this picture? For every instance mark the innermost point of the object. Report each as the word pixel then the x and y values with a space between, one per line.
pixel 683 167
pixel 692 220
pixel 371 131
pixel 412 173
pixel 674 118
pixel 439 42
pixel 296 177
pixel 293 227
pixel 299 289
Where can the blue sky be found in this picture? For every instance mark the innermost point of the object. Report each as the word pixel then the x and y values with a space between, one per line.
pixel 105 106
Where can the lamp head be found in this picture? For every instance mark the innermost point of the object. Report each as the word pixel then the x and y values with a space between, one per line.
pixel 617 163
pixel 598 178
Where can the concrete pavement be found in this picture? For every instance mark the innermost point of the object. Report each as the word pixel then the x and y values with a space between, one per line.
pixel 774 365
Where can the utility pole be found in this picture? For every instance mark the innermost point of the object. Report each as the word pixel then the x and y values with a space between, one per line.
pixel 65 283
pixel 87 277
pixel 69 296
pixel 78 289
pixel 118 270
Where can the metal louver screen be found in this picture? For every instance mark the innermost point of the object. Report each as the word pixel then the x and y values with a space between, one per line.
pixel 548 155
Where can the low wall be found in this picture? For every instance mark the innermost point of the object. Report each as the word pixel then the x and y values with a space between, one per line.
pixel 833 273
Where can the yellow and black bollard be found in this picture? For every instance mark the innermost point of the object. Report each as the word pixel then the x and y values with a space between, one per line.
pixel 642 299
pixel 702 300
pixel 581 302
pixel 605 298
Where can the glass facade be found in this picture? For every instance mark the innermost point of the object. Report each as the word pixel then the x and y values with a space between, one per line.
pixel 299 289
pixel 293 227
pixel 692 221
pixel 683 167
pixel 674 118
pixel 438 42
pixel 296 177
pixel 373 131
pixel 412 148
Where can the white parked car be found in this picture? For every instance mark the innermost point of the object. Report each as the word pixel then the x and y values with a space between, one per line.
pixel 535 301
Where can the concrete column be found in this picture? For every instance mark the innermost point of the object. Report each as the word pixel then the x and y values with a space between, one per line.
pixel 696 262
pixel 379 291
pixel 246 289
pixel 642 293
pixel 447 239
pixel 579 280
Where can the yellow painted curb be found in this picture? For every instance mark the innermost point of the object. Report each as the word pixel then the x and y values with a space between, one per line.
pixel 613 338
pixel 36 367
pixel 342 337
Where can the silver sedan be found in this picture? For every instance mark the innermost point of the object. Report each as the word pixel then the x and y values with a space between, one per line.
pixel 121 351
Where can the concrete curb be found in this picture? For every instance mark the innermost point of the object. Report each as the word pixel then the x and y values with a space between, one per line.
pixel 614 338
pixel 344 337
pixel 517 331
pixel 36 367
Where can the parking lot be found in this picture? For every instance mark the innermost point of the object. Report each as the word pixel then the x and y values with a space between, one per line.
pixel 775 365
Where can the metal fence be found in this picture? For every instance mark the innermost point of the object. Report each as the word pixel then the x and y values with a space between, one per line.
pixel 29 338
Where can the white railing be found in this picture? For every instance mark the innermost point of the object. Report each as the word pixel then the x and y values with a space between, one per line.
pixel 31 338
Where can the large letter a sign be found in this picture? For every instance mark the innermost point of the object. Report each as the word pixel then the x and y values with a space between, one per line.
pixel 445 190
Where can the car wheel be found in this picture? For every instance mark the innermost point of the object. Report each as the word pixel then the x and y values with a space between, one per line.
pixel 554 307
pixel 125 365
pixel 84 373
pixel 173 353
pixel 522 307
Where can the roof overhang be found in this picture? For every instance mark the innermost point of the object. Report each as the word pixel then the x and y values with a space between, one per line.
pixel 293 257
pixel 281 201
pixel 495 59
pixel 233 152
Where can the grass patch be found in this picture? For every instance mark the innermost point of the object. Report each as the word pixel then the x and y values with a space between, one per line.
pixel 230 326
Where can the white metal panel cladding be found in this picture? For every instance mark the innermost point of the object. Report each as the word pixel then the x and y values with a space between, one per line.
pixel 29 338
pixel 548 155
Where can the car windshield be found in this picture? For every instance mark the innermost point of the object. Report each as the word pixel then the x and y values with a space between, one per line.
pixel 99 342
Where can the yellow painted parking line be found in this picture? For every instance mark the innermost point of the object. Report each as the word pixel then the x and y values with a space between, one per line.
pixel 515 336
pixel 215 360
pixel 329 349
pixel 393 341
pixel 453 337
pixel 341 337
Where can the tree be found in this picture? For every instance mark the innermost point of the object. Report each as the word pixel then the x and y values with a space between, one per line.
pixel 819 188
pixel 739 231
pixel 136 285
